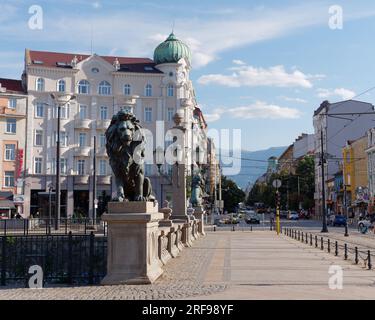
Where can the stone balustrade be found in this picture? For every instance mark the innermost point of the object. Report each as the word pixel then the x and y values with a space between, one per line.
pixel 142 239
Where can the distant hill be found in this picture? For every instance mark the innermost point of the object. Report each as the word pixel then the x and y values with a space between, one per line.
pixel 251 170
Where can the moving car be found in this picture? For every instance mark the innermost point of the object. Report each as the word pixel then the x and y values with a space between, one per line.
pixel 339 221
pixel 293 215
pixel 252 218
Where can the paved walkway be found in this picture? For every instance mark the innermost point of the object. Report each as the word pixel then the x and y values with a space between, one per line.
pixel 234 265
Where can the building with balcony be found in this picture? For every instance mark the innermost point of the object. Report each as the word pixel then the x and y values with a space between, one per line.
pixel 337 130
pixel 153 89
pixel 13 101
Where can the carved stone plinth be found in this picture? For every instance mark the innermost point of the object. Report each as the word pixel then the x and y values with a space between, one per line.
pixel 199 214
pixel 164 254
pixel 133 233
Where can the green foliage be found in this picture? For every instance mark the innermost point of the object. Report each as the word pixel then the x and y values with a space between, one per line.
pixel 231 194
pixel 296 188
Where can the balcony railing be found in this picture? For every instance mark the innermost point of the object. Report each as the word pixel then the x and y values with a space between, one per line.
pixel 82 151
pixel 82 124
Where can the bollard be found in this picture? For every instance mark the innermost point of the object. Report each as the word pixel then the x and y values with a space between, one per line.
pixel 214 228
pixel 369 260
pixel 345 251
pixel 329 245
pixel 356 255
pixel 311 241
pixel 299 235
pixel 251 228
pixel 306 240
pixel 336 249
pixel 321 243
pixel 316 241
pixel 302 236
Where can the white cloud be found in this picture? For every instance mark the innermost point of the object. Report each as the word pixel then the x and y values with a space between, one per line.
pixel 344 94
pixel 257 110
pixel 96 5
pixel 249 76
pixel 238 62
pixel 289 99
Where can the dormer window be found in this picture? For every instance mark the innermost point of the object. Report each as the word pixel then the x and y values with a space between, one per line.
pixel 40 84
pixel 104 88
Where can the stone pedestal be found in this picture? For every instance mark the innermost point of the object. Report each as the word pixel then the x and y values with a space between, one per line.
pixel 199 214
pixel 132 243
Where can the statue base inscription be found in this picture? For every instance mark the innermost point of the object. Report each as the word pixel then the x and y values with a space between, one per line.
pixel 132 243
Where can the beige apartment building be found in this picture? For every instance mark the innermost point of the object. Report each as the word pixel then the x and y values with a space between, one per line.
pixel 154 90
pixel 13 101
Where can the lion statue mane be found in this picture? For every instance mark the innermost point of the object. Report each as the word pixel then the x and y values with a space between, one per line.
pixel 125 147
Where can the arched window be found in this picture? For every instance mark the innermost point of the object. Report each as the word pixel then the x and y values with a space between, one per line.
pixel 104 88
pixel 127 89
pixel 84 87
pixel 148 92
pixel 170 90
pixel 40 84
pixel 61 86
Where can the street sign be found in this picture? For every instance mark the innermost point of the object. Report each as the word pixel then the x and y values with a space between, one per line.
pixel 276 183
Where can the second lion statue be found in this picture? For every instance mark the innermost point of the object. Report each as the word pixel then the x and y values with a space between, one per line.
pixel 125 145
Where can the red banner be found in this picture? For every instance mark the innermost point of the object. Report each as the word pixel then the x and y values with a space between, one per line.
pixel 19 159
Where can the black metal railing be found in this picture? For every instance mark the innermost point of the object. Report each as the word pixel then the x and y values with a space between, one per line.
pixel 52 226
pixel 338 249
pixel 64 259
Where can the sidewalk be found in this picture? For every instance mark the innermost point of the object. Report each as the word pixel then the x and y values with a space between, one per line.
pixel 234 265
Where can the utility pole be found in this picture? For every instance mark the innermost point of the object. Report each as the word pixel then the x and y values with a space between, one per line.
pixel 58 195
pixel 94 200
pixel 221 207
pixel 346 210
pixel 322 161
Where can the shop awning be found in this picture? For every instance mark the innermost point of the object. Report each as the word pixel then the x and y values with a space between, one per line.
pixel 7 204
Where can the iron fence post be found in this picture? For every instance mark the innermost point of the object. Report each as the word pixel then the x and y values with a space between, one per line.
pixel 3 259
pixel 86 225
pixel 316 241
pixel 5 227
pixel 91 258
pixel 311 241
pixel 369 260
pixel 336 249
pixel 66 225
pixel 70 258
pixel 321 243
pixel 345 251
pixel 329 246
pixel 302 236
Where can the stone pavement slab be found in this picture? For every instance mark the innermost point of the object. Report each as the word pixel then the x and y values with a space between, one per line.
pixel 234 265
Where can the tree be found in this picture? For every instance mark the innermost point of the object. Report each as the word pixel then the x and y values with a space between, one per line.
pixel 231 194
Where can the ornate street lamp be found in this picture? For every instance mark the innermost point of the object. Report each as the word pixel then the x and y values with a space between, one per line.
pixel 61 100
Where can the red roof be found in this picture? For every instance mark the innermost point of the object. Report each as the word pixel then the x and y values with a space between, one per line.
pixel 11 85
pixel 50 59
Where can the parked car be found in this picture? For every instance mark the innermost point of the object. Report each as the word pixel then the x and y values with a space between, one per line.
pixel 293 215
pixel 283 214
pixel 339 220
pixel 252 218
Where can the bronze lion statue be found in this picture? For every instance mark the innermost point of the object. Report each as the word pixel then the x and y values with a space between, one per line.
pixel 125 148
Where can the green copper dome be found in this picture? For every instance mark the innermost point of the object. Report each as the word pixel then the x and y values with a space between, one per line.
pixel 171 51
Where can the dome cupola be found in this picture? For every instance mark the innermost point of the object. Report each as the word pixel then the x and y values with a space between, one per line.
pixel 171 51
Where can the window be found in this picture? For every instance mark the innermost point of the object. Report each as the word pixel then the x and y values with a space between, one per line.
pixel 9 179
pixel 82 112
pixel 10 152
pixel 148 114
pixel 12 103
pixel 61 86
pixel 82 139
pixel 102 167
pixel 81 167
pixel 102 141
pixel 38 137
pixel 40 84
pixel 103 113
pixel 63 138
pixel 63 166
pixel 38 165
pixel 104 88
pixel 148 169
pixel 170 90
pixel 84 87
pixel 148 92
pixel 170 114
pixel 11 125
pixel 39 110
pixel 64 111
pixel 127 89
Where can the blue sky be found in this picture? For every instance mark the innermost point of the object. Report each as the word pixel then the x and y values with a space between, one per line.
pixel 260 66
